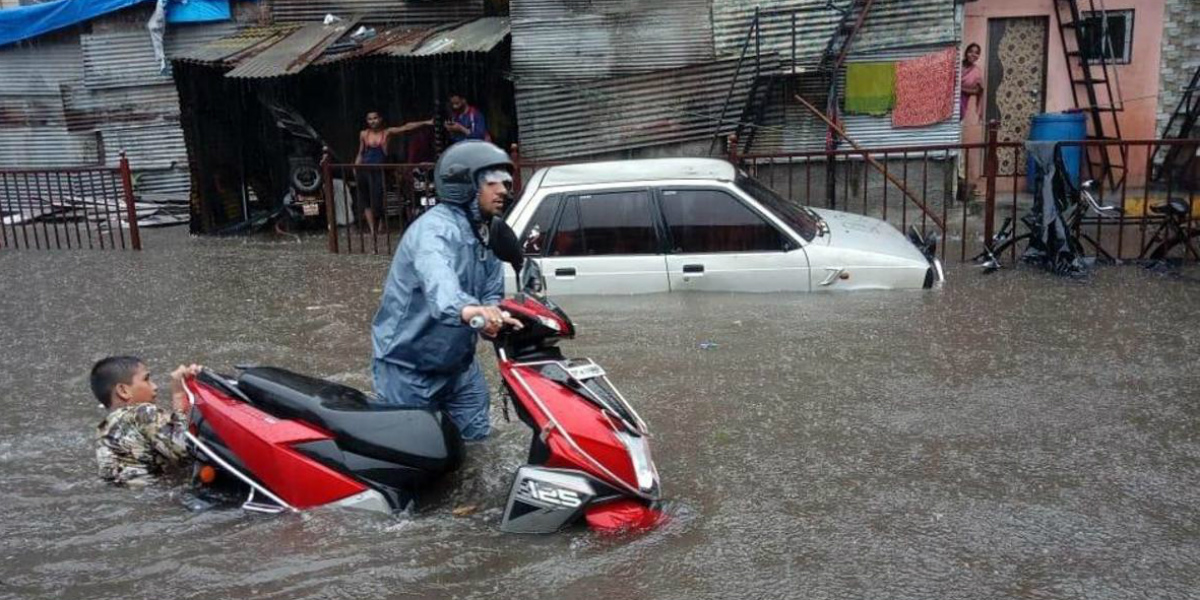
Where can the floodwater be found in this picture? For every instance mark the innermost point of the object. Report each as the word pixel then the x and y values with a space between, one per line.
pixel 1011 436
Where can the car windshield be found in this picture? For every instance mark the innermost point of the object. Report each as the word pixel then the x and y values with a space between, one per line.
pixel 802 220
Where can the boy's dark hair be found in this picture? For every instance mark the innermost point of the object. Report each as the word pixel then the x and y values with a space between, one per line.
pixel 108 372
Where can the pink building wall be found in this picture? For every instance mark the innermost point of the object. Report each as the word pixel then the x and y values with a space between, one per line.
pixel 1138 79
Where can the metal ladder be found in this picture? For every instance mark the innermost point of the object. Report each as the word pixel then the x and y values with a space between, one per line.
pixel 832 60
pixel 836 50
pixel 1181 126
pixel 751 33
pixel 1095 94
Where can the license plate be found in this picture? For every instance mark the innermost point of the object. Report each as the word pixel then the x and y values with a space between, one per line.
pixel 585 372
pixel 311 210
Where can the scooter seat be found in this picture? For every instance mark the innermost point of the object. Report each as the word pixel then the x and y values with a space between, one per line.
pixel 415 437
pixel 1174 207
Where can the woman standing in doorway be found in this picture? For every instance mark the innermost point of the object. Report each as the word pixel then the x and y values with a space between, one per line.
pixel 972 82
pixel 373 150
pixel 971 85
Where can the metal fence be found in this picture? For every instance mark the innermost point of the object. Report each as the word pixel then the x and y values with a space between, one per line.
pixel 962 192
pixel 405 190
pixel 68 208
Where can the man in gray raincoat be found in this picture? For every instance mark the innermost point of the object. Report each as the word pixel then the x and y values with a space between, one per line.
pixel 442 276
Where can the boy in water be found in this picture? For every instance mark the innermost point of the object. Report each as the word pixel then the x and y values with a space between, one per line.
pixel 138 440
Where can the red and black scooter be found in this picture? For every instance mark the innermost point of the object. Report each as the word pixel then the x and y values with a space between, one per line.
pixel 292 442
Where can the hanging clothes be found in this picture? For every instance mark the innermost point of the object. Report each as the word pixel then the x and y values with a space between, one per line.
pixel 870 88
pixel 925 89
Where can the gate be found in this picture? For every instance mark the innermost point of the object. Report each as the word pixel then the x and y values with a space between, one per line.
pixel 68 208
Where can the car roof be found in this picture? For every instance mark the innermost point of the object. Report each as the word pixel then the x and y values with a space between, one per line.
pixel 619 171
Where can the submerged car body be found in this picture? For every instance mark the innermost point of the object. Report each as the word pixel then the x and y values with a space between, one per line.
pixel 679 224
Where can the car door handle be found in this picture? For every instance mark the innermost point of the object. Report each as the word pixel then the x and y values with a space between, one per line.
pixel 694 269
pixel 565 272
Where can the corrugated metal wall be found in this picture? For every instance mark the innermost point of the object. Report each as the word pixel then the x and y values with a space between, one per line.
pixel 49 146
pixel 663 107
pixel 789 127
pixel 378 12
pixel 566 39
pixel 126 58
pixel 88 109
pixel 33 128
pixel 148 145
pixel 890 24
pixel 69 99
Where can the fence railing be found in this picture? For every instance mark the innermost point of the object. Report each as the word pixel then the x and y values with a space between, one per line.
pixel 962 192
pixel 965 192
pixel 68 208
pixel 394 193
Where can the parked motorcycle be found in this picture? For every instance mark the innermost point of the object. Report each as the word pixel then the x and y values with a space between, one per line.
pixel 286 441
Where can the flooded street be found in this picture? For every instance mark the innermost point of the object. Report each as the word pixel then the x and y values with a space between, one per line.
pixel 1011 436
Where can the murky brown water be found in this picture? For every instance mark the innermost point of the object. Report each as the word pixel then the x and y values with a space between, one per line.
pixel 1011 436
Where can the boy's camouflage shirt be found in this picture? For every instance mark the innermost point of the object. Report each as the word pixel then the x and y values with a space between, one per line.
pixel 135 443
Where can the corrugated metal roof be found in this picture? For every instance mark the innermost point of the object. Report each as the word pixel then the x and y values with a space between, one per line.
pixel 238 46
pixel 398 39
pixel 291 54
pixel 126 58
pixel 480 35
pixel 47 147
pixel 789 127
pixel 375 12
pixel 567 39
pixel 628 112
pixel 890 24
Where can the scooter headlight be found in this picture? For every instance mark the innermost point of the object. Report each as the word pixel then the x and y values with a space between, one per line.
pixel 548 322
pixel 643 465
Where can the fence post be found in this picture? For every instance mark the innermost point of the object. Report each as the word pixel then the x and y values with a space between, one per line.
pixel 135 237
pixel 514 154
pixel 330 204
pixel 990 164
pixel 732 148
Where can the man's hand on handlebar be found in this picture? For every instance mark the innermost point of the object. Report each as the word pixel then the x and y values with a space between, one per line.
pixel 493 319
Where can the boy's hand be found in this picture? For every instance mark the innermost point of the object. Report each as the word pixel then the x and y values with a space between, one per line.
pixel 179 398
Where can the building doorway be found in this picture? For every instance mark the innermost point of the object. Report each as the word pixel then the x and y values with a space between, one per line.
pixel 1016 81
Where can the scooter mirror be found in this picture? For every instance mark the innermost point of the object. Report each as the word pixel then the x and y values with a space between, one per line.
pixel 505 245
pixel 531 280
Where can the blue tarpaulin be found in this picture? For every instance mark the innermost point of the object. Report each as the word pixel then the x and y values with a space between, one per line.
pixel 26 22
pixel 197 11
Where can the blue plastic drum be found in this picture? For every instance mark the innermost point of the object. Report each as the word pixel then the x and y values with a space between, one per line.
pixel 1058 127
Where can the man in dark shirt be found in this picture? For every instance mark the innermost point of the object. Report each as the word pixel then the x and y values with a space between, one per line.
pixel 466 122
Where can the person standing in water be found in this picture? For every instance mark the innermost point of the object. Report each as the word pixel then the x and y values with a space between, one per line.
pixel 373 150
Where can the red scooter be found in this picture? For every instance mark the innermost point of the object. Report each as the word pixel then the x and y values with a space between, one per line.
pixel 285 441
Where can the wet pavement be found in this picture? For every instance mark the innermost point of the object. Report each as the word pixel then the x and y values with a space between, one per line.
pixel 1011 436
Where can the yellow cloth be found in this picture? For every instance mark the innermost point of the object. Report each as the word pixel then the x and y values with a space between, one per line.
pixel 870 88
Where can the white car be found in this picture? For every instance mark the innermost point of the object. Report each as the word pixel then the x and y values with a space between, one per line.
pixel 679 224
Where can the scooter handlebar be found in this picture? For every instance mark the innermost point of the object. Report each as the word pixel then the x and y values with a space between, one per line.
pixel 478 322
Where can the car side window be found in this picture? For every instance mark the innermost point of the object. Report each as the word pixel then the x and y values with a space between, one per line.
pixel 714 221
pixel 534 239
pixel 605 223
pixel 568 241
